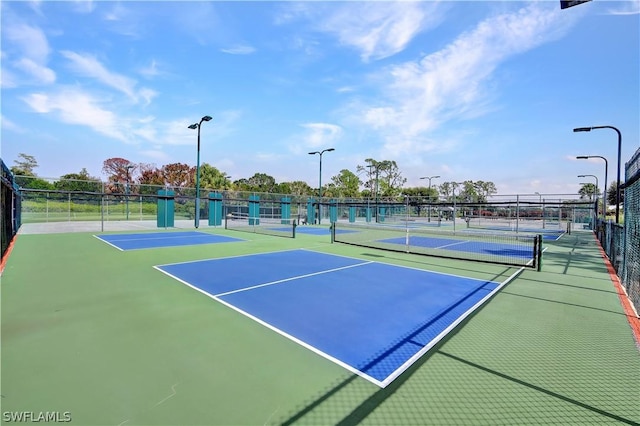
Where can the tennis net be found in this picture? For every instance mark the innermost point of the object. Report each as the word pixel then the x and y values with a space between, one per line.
pixel 261 225
pixel 516 224
pixel 514 250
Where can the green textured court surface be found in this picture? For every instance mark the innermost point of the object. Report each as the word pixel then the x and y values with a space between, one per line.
pixel 100 334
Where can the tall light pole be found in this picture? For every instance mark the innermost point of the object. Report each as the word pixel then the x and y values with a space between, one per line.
pixel 541 206
pixel 126 189
pixel 198 126
pixel 588 129
pixel 606 173
pixel 539 196
pixel 320 181
pixel 429 177
pixel 596 191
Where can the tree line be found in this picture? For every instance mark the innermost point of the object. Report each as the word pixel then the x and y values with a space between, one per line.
pixel 373 179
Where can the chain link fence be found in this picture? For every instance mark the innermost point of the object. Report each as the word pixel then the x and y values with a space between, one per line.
pixel 95 201
pixel 622 242
pixel 10 208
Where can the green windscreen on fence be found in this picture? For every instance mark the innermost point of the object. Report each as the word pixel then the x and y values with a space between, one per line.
pixel 10 208
pixel 166 208
pixel 630 269
pixel 215 209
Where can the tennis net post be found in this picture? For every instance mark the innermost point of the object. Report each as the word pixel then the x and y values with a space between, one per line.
pixel 538 257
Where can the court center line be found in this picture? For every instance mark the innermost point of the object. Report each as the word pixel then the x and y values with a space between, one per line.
pixel 469 241
pixel 292 278
pixel 452 244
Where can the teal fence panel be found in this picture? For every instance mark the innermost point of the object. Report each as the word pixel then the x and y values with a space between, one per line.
pixel 333 211
pixel 310 211
pixel 285 209
pixel 166 209
pixel 215 209
pixel 352 214
pixel 382 211
pixel 254 210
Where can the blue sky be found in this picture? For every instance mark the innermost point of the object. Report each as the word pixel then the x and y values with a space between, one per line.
pixel 465 90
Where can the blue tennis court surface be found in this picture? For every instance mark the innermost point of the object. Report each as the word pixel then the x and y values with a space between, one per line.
pixel 478 247
pixel 372 318
pixel 162 239
pixel 547 234
pixel 319 231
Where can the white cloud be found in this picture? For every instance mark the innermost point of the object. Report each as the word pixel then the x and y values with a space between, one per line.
pixel 71 105
pixel 147 95
pixel 345 89
pixel 8 79
pixel 453 83
pixel 124 21
pixel 42 74
pixel 147 132
pixel 380 29
pixel 27 51
pixel 35 5
pixel 630 7
pixel 83 6
pixel 10 125
pixel 321 135
pixel 31 41
pixel 89 66
pixel 175 132
pixel 376 29
pixel 239 50
pixel 150 70
pixel 75 107
pixel 117 13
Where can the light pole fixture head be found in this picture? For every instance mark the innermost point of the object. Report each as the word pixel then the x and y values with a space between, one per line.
pixel 583 157
pixel 582 129
pixel 314 152
pixel 193 126
pixel 207 118
pixel 330 149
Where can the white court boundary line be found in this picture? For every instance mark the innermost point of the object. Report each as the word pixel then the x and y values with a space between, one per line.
pixel 228 257
pixel 279 331
pixel 396 373
pixel 202 235
pixel 107 242
pixel 408 363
